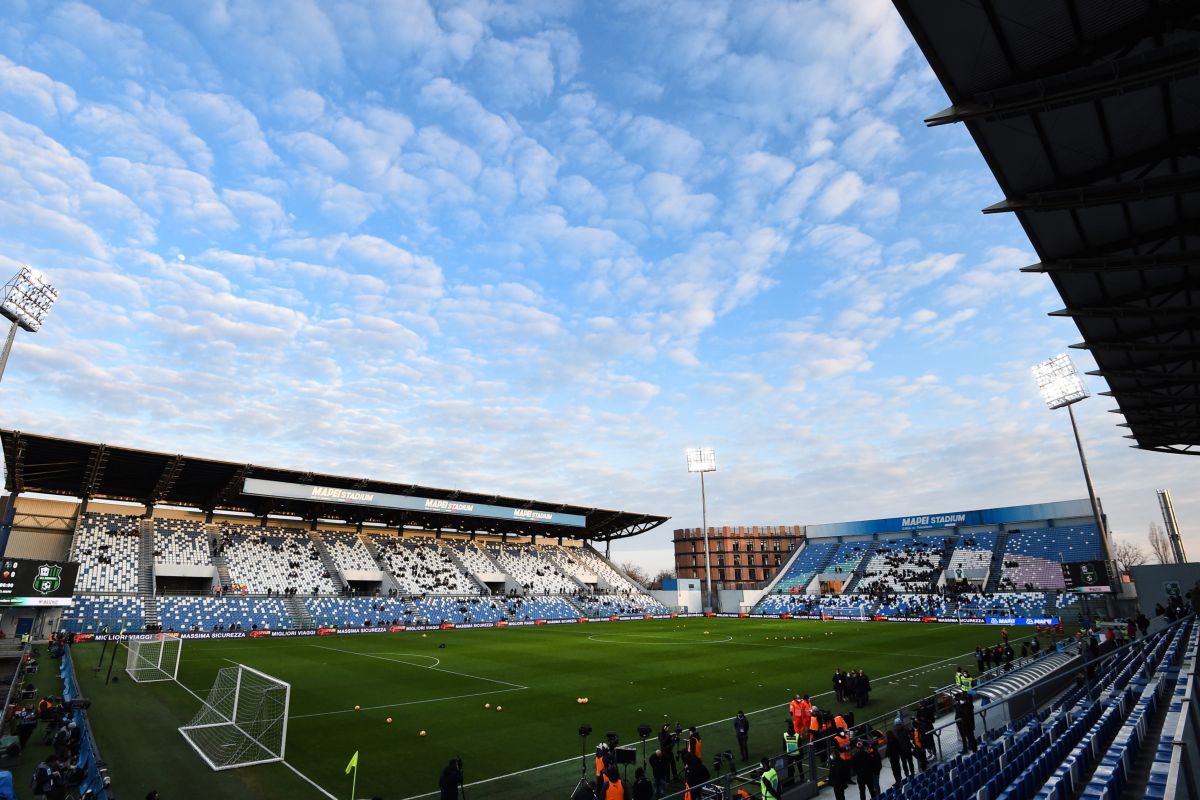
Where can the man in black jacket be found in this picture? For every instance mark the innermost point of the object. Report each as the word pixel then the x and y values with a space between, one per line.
pixel 661 771
pixel 642 788
pixel 863 766
pixel 964 717
pixel 450 779
pixel 741 729
pixel 666 743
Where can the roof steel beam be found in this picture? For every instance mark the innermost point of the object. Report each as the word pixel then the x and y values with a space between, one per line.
pixel 1118 76
pixel 1100 195
pixel 166 480
pixel 1183 349
pixel 94 473
pixel 1174 449
pixel 1186 259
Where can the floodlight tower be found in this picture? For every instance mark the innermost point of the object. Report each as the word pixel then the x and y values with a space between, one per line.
pixel 25 301
pixel 702 460
pixel 1060 385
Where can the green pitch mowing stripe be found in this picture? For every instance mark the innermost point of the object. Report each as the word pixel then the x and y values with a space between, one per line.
pixel 647 672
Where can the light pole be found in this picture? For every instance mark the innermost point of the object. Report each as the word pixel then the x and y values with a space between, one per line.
pixel 1060 385
pixel 25 301
pixel 702 460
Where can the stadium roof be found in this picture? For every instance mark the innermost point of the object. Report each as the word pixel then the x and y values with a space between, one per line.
pixel 1088 114
pixel 48 465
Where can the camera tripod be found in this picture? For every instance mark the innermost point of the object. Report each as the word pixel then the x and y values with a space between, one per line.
pixel 584 789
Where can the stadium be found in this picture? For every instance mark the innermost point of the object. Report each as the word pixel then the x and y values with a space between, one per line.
pixel 185 626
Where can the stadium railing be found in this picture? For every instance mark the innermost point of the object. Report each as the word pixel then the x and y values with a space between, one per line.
pixel 1108 677
pixel 95 775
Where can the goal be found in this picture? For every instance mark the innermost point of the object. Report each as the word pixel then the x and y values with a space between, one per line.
pixel 154 659
pixel 243 720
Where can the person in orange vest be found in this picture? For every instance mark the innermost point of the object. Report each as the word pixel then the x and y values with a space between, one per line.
pixel 612 788
pixel 839 722
pixel 602 763
pixel 796 711
pixel 800 720
pixel 694 743
pixel 814 725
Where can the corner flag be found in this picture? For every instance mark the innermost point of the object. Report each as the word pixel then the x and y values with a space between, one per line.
pixel 353 765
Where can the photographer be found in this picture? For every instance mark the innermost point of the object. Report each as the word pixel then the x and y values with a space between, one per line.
pixel 451 779
pixel 666 743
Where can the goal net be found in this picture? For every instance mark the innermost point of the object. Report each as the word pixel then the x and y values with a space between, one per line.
pixel 154 659
pixel 243 720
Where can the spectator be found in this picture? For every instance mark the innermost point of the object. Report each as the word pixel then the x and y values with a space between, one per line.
pixel 964 718
pixel 741 730
pixel 893 754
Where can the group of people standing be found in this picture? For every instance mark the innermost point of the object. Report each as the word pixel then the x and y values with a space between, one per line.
pixel 852 687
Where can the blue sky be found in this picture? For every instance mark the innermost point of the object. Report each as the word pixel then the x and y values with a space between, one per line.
pixel 537 248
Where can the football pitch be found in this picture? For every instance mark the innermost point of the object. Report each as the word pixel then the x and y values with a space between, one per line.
pixel 526 745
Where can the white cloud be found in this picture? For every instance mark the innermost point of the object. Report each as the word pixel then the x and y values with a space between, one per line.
pixel 28 88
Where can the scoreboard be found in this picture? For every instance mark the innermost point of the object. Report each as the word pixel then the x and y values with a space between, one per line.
pixel 1090 577
pixel 35 582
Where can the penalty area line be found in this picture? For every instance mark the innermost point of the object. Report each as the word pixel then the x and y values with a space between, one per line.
pixel 407 703
pixel 203 702
pixel 421 666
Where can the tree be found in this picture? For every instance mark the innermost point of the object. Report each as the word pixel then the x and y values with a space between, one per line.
pixel 1128 555
pixel 635 572
pixel 1160 545
pixel 663 575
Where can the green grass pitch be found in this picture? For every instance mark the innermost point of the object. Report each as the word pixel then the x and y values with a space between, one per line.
pixel 632 672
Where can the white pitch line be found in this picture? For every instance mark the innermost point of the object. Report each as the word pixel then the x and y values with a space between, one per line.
pixel 407 703
pixel 421 666
pixel 307 779
pixel 704 725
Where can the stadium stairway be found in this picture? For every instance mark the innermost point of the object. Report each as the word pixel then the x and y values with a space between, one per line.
pixel 452 554
pixel 218 561
pixel 327 561
pixel 298 615
pixel 150 610
pixel 861 569
pixel 389 581
pixel 947 554
pixel 146 557
pixel 997 565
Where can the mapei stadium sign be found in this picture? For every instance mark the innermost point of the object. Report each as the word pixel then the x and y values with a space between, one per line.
pixel 356 497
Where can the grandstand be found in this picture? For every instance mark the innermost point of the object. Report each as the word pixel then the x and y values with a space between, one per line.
pixel 233 563
pixel 976 563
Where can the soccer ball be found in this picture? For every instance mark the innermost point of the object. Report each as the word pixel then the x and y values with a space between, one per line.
pixel 423 733
pixel 357 708
pixel 499 708
pixel 487 705
pixel 388 720
pixel 706 633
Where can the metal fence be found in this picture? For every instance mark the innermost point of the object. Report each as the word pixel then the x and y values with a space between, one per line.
pixel 1078 670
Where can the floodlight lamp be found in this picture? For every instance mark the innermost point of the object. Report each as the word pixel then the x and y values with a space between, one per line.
pixel 701 459
pixel 1058 382
pixel 27 299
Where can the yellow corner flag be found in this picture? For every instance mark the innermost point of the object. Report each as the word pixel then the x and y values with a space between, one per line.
pixel 353 765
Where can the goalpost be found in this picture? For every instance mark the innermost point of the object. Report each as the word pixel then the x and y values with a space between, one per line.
pixel 154 659
pixel 243 721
